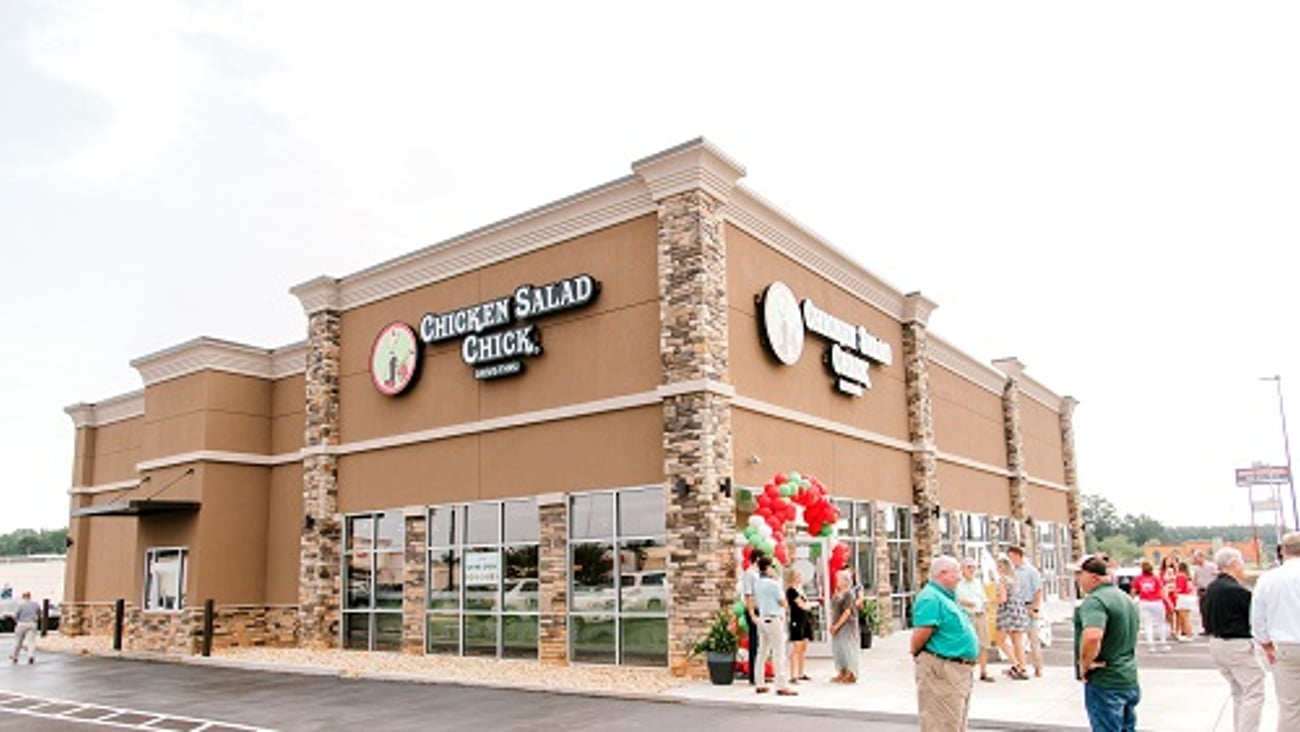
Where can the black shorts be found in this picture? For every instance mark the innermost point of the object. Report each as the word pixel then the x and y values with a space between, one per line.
pixel 800 631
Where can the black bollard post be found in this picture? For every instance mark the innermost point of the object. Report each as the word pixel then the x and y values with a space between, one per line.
pixel 119 611
pixel 45 616
pixel 208 612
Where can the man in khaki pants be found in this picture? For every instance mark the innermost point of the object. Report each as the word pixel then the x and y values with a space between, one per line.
pixel 1227 620
pixel 25 617
pixel 945 647
pixel 1275 623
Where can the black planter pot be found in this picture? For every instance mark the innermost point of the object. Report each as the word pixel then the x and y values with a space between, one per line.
pixel 722 668
pixel 864 633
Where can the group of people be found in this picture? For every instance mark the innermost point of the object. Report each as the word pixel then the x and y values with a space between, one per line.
pixel 950 632
pixel 1245 624
pixel 1166 599
pixel 780 619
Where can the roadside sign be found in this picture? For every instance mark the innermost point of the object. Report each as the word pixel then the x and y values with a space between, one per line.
pixel 1263 475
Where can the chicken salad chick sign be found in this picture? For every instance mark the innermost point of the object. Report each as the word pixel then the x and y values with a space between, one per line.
pixel 495 340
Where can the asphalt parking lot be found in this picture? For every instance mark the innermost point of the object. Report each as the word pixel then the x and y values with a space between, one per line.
pixel 62 692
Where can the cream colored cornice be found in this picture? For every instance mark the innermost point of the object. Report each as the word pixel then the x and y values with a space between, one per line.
pixel 917 308
pixel 773 227
pixel 1014 368
pixel 321 293
pixel 203 354
pixel 86 490
pixel 114 409
pixel 950 357
pixel 696 164
pixel 598 208
pixel 289 360
pixel 218 456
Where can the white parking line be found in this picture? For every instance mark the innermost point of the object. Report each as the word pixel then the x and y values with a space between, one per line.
pixel 31 706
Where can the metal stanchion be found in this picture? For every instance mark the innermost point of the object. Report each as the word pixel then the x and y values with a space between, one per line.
pixel 45 616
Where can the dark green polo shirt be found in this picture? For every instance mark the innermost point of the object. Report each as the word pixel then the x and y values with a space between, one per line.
pixel 1117 616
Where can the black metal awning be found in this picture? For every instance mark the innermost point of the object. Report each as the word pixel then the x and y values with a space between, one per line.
pixel 138 507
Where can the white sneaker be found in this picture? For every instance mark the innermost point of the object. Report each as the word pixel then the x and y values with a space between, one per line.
pixel 1165 649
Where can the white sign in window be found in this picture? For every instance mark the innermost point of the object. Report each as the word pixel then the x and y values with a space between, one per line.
pixel 482 567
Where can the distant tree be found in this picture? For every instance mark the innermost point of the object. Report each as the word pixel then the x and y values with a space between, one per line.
pixel 1142 528
pixel 24 542
pixel 1099 518
pixel 1120 548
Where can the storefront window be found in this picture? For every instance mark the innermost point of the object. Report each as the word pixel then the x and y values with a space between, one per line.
pixel 374 548
pixel 483 579
pixel 857 529
pixel 164 579
pixel 902 561
pixel 618 583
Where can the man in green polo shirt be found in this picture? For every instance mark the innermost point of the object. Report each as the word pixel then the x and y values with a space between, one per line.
pixel 1105 634
pixel 945 647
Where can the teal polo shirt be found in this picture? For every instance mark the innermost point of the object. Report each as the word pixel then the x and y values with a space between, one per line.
pixel 954 635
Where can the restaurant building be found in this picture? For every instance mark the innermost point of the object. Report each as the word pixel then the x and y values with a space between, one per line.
pixel 538 439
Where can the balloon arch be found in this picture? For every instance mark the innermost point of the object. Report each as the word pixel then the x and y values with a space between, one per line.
pixel 778 506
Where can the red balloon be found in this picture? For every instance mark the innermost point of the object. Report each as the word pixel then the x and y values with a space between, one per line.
pixel 779 479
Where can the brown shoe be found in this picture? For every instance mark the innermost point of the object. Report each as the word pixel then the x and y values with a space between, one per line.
pixel 761 690
pixel 786 692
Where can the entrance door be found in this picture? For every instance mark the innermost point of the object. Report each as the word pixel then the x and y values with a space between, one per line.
pixel 817 586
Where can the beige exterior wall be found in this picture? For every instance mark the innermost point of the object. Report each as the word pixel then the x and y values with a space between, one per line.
pixel 974 491
pixel 109 569
pixel 849 468
pixel 967 418
pixel 229 558
pixel 807 386
pixel 115 450
pixel 1041 428
pixel 287 398
pixel 1048 504
pixel 607 349
pixel 283 525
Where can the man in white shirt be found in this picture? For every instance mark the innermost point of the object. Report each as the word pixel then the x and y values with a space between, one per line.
pixel 1275 623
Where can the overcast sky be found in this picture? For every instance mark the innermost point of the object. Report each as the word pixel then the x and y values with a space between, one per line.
pixel 1107 191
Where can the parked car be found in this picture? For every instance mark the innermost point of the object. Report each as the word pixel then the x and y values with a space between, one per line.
pixel 1124 577
pixel 9 609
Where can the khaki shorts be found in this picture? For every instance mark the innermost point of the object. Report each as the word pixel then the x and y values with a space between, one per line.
pixel 981 629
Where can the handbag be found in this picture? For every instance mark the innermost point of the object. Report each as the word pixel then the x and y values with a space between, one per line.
pixel 1185 602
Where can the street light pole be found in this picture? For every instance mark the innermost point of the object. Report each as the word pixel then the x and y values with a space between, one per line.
pixel 1286 445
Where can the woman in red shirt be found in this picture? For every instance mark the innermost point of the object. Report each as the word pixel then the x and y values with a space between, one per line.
pixel 1150 592
pixel 1184 601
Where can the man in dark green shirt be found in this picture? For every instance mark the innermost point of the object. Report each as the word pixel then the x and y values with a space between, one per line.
pixel 1105 635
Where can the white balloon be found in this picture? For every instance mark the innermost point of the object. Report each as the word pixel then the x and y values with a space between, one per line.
pixel 766 531
pixel 756 521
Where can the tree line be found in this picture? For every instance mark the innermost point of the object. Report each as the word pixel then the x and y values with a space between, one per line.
pixel 23 542
pixel 1122 537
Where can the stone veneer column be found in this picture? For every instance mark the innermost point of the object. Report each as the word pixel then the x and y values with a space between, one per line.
pixel 690 184
pixel 920 429
pixel 320 553
pixel 1072 501
pixel 414 582
pixel 883 588
pixel 553 580
pixel 1018 484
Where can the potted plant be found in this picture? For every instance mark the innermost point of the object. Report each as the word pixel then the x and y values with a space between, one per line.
pixel 719 647
pixel 869 621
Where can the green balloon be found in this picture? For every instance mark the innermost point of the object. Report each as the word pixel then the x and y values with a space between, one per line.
pixel 793 477
pixel 827 529
pixel 742 622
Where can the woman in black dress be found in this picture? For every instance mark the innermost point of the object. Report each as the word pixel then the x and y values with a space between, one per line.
pixel 800 627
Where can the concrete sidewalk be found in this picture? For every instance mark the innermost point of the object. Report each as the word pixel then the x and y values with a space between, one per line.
pixel 1173 700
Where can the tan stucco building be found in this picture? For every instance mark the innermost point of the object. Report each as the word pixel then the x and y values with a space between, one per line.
pixel 538 439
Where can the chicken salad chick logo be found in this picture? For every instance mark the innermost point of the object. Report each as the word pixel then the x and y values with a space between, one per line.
pixel 394 359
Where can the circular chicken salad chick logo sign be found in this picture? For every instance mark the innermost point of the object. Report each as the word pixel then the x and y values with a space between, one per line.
pixel 394 358
pixel 782 323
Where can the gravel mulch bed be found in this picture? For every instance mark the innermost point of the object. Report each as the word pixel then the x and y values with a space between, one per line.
pixel 473 671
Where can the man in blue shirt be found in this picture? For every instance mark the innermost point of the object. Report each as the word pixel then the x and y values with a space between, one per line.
pixel 945 647
pixel 769 599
